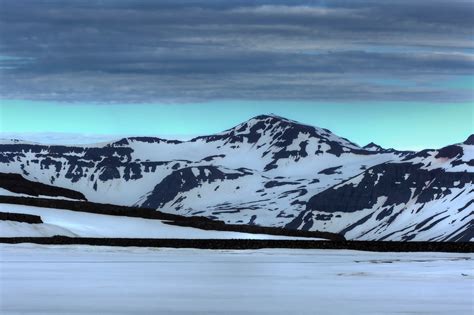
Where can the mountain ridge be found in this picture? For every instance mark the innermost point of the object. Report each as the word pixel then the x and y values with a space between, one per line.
pixel 270 171
pixel 158 139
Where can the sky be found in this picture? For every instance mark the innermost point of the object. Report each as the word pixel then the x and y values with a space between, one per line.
pixel 398 73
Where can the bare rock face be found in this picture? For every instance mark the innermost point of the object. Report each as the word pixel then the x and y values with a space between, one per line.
pixel 18 184
pixel 20 217
pixel 470 140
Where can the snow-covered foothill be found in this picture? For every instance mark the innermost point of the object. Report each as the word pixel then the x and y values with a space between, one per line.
pixel 80 224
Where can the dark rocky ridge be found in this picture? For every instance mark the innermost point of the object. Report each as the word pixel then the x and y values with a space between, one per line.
pixel 126 141
pixel 459 247
pixel 394 180
pixel 373 146
pixel 20 217
pixel 18 184
pixel 470 140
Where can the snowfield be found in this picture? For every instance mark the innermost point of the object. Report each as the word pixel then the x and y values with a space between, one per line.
pixel 81 224
pixel 39 279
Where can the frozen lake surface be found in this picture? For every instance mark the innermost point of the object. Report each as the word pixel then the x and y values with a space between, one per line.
pixel 43 279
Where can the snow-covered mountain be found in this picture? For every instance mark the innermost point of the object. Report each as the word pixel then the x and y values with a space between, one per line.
pixel 271 171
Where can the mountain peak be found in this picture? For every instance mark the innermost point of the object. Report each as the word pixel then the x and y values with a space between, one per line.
pixel 271 123
pixel 470 140
pixel 273 117
pixel 282 132
pixel 265 116
pixel 278 130
pixel 373 147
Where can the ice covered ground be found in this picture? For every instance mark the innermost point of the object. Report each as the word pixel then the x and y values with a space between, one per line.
pixel 42 279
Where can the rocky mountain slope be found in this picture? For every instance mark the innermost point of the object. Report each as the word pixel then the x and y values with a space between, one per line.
pixel 271 171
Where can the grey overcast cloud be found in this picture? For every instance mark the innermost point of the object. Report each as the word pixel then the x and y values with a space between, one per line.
pixel 147 51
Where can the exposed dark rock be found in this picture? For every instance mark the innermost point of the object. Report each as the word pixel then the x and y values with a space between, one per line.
pixel 274 183
pixel 184 180
pixel 460 247
pixel 373 146
pixel 422 154
pixel 20 217
pixel 466 206
pixel 126 141
pixel 426 228
pixel 20 185
pixel 335 148
pixel 252 220
pixel 212 157
pixel 330 170
pixel 323 217
pixel 391 180
pixel 132 171
pixel 109 157
pixel 356 224
pixel 384 213
pixel 109 173
pixel 470 140
pixel 449 152
pixel 424 222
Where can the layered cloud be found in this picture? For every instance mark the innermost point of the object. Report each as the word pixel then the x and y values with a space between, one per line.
pixel 174 51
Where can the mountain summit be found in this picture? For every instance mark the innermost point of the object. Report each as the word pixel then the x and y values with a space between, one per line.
pixel 373 147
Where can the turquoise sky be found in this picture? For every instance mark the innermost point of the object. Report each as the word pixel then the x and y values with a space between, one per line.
pixel 401 125
pixel 398 73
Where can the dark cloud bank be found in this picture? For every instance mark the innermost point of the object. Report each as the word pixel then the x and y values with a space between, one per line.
pixel 144 51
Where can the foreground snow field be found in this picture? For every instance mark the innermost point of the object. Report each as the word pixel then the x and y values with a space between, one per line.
pixel 42 279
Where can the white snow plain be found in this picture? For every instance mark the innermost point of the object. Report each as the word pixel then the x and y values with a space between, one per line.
pixel 46 279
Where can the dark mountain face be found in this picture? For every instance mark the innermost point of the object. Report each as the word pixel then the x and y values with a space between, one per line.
pixel 269 171
pixel 77 159
pixel 470 140
pixel 395 182
pixel 388 191
pixel 186 179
